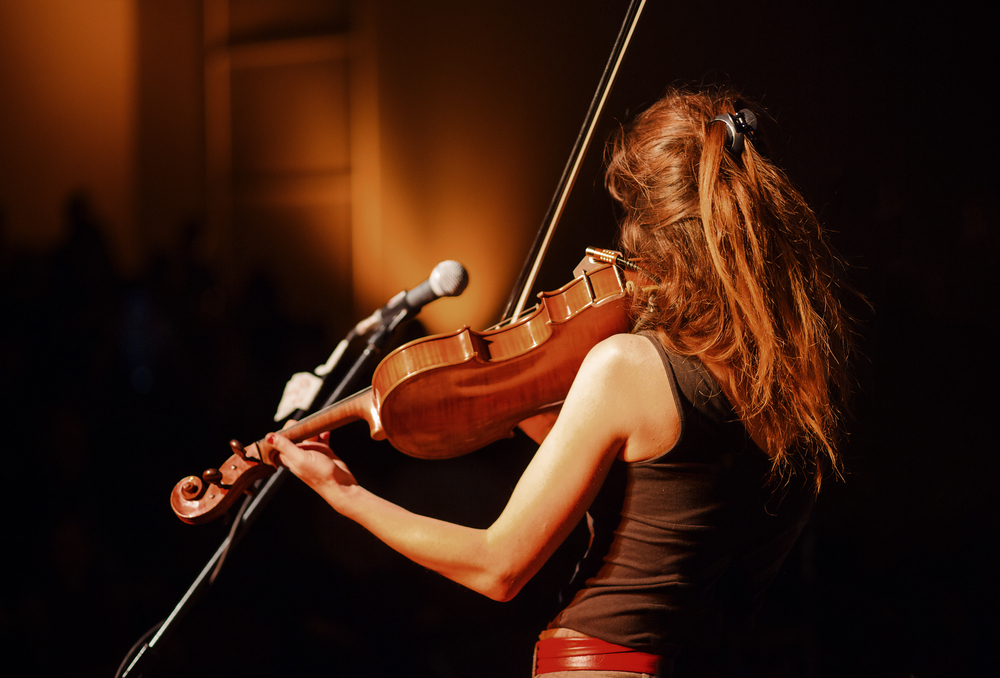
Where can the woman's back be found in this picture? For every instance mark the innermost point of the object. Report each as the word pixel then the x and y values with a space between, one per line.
pixel 686 536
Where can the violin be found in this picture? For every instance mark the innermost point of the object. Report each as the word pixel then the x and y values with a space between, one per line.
pixel 447 395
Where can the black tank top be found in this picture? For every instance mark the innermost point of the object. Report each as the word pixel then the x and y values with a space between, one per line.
pixel 683 537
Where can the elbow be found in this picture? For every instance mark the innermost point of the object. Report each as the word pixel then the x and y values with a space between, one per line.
pixel 503 570
pixel 501 584
pixel 502 590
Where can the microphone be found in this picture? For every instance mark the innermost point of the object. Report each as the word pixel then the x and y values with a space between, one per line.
pixel 448 279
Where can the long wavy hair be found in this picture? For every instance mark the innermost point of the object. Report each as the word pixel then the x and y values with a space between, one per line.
pixel 747 278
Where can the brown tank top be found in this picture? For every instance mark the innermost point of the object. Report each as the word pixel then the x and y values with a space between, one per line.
pixel 686 536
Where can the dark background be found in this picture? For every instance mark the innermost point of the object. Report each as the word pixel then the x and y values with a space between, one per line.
pixel 888 123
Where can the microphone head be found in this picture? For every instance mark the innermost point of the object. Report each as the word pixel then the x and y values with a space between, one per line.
pixel 448 279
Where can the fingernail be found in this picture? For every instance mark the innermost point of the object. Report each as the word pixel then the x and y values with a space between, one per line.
pixel 270 439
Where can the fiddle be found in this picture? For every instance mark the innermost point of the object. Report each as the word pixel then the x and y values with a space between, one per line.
pixel 447 395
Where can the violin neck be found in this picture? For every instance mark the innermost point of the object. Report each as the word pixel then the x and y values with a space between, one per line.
pixel 359 406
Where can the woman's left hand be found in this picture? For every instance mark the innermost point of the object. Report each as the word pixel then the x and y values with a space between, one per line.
pixel 312 461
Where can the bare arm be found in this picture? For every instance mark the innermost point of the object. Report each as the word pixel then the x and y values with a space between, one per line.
pixel 618 405
pixel 538 426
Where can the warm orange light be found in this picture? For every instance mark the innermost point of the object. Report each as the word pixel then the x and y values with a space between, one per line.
pixel 68 71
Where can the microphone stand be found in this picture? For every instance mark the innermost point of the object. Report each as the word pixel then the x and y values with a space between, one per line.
pixel 143 651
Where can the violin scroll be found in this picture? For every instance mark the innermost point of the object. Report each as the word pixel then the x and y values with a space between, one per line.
pixel 200 500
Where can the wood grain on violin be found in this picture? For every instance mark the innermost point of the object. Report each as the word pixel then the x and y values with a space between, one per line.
pixel 446 395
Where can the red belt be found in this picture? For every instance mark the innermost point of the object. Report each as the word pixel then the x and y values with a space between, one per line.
pixel 590 654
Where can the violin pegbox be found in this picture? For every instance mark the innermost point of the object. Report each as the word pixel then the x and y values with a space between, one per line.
pixel 199 500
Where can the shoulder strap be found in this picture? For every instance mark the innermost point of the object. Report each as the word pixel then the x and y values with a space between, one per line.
pixel 694 382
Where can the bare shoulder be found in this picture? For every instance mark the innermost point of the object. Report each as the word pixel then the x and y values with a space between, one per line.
pixel 624 353
pixel 626 373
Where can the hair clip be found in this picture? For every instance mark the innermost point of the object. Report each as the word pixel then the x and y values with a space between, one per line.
pixel 737 125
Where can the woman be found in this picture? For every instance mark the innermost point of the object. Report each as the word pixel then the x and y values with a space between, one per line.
pixel 695 445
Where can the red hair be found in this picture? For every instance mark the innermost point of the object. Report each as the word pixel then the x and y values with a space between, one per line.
pixel 748 278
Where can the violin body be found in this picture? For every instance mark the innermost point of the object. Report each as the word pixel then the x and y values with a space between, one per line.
pixel 447 395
